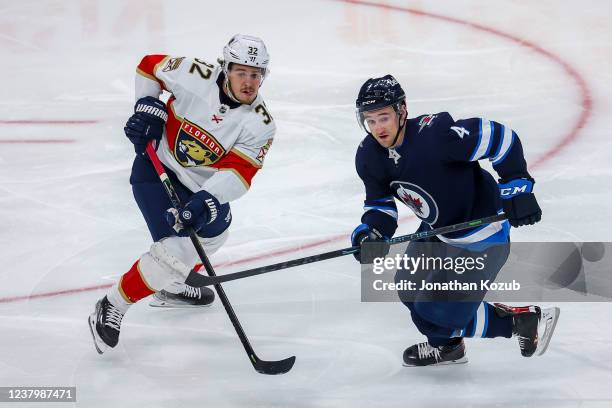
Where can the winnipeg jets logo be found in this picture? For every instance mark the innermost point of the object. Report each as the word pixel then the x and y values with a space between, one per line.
pixel 426 121
pixel 414 203
pixel 394 155
pixel 418 200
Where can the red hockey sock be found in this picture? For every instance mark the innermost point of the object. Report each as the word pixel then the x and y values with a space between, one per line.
pixel 133 286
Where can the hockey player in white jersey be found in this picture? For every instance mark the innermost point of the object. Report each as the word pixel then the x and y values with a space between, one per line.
pixel 212 136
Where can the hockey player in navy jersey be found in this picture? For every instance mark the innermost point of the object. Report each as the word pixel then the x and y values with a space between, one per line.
pixel 430 163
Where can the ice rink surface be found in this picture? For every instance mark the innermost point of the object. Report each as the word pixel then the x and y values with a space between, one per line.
pixel 69 226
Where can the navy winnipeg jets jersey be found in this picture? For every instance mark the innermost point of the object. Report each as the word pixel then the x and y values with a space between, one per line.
pixel 435 172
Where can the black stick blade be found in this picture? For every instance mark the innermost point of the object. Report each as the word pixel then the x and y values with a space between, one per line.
pixel 272 367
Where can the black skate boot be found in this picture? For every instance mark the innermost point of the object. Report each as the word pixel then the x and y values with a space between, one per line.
pixel 188 296
pixel 532 326
pixel 423 354
pixel 105 324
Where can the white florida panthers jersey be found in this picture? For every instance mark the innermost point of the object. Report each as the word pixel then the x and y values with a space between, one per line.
pixel 210 142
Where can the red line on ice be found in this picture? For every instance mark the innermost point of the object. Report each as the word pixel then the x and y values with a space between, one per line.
pixel 237 262
pixel 568 138
pixel 48 121
pixel 56 293
pixel 290 250
pixel 35 141
pixel 585 92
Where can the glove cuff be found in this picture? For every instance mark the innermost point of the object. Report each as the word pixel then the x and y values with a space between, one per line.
pixel 364 231
pixel 359 233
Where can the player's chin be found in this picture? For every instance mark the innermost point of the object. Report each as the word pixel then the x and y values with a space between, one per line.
pixel 248 94
pixel 247 98
pixel 384 140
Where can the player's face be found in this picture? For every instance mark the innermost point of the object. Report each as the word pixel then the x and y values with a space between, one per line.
pixel 245 82
pixel 383 124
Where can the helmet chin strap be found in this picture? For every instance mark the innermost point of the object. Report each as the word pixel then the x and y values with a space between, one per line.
pixel 399 130
pixel 228 90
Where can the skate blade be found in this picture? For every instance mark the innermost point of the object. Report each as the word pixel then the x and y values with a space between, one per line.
pixel 462 360
pixel 549 318
pixel 99 344
pixel 173 305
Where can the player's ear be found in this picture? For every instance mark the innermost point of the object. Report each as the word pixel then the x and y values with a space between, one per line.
pixel 403 109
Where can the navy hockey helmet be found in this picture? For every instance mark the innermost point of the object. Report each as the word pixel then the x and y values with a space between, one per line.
pixel 378 93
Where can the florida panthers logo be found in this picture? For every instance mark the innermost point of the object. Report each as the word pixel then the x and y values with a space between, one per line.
pixel 195 146
pixel 418 200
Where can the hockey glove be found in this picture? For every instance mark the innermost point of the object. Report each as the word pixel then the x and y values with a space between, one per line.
pixel 366 234
pixel 519 203
pixel 147 123
pixel 201 209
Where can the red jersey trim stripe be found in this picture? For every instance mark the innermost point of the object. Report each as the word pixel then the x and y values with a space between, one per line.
pixel 253 162
pixel 244 168
pixel 148 65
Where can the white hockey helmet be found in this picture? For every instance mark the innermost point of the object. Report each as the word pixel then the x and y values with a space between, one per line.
pixel 246 50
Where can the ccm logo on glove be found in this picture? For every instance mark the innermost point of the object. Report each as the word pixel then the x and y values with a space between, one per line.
pixel 515 187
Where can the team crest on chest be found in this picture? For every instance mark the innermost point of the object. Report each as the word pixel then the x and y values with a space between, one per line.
pixel 195 146
pixel 420 201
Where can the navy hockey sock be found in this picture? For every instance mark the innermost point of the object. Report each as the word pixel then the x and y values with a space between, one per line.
pixel 487 324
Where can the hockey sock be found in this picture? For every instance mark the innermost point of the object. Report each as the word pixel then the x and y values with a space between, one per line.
pixel 132 286
pixel 487 324
pixel 115 297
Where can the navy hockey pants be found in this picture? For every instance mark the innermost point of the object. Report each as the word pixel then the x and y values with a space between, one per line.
pixel 153 201
pixel 435 317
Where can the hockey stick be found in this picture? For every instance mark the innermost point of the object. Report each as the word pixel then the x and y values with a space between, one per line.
pixel 261 366
pixel 195 279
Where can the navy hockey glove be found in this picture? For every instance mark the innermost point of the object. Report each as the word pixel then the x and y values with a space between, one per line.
pixel 201 209
pixel 519 203
pixel 147 123
pixel 365 234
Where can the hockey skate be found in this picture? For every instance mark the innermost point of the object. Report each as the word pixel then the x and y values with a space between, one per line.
pixel 424 354
pixel 105 324
pixel 185 297
pixel 532 326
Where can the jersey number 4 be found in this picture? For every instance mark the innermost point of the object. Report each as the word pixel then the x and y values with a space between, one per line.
pixel 460 131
